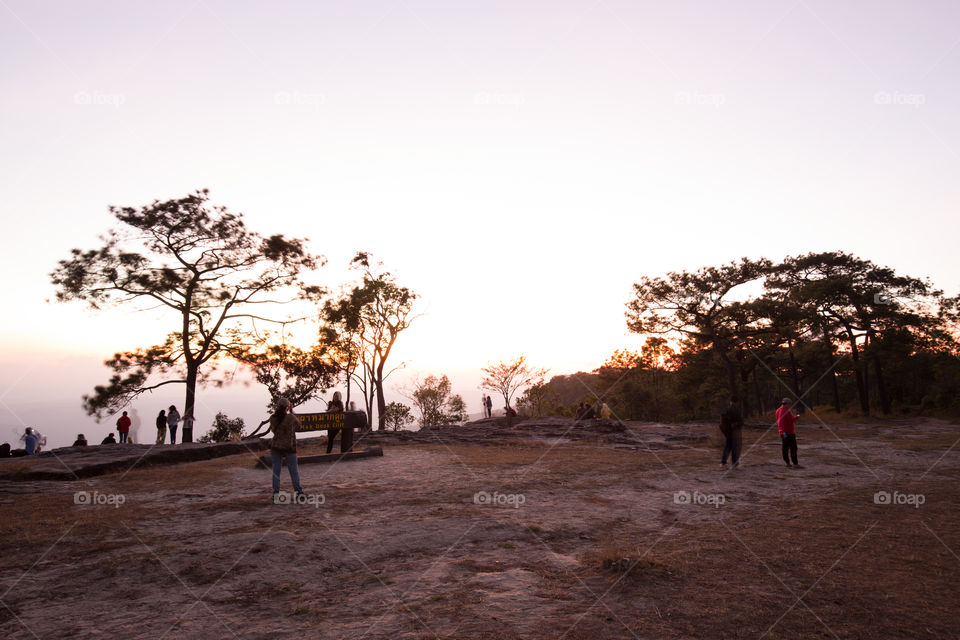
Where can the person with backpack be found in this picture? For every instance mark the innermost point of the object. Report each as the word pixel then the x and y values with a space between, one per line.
pixel 731 424
pixel 283 446
pixel 786 425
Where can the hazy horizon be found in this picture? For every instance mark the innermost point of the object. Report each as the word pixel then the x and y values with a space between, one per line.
pixel 518 166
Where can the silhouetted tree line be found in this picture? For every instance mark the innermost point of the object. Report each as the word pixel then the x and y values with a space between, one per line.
pixel 827 329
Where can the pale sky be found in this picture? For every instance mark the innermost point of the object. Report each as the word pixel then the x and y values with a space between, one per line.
pixel 518 164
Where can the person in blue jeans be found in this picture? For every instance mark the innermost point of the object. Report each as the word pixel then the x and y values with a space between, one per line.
pixel 283 446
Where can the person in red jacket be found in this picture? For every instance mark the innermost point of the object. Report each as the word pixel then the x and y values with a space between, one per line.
pixel 123 427
pixel 786 425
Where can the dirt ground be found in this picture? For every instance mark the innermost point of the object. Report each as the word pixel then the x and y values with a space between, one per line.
pixel 637 537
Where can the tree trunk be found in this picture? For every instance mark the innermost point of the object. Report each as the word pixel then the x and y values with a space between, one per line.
pixel 859 374
pixel 731 369
pixel 189 402
pixel 881 385
pixel 757 392
pixel 796 378
pixel 381 401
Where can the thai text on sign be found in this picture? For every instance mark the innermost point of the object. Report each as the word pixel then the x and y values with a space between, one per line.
pixel 319 421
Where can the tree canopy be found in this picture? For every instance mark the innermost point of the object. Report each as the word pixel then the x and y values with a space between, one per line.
pixel 508 377
pixel 369 318
pixel 198 261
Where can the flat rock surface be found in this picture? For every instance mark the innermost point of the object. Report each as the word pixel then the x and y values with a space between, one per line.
pixel 545 537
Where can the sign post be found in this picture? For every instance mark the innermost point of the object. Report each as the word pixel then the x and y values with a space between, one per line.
pixel 345 421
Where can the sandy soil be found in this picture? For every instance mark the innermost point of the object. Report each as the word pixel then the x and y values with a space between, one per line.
pixel 639 534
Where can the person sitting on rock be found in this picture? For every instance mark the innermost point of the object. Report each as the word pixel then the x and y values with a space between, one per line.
pixel 31 443
pixel 580 410
pixel 110 439
pixel 510 411
pixel 588 412
pixel 81 441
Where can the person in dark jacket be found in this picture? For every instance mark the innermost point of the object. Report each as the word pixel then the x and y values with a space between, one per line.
pixel 110 439
pixel 334 406
pixel 173 418
pixel 283 446
pixel 731 425
pixel 161 426
pixel 81 441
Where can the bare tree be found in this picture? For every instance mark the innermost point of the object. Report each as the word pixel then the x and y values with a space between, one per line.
pixel 506 378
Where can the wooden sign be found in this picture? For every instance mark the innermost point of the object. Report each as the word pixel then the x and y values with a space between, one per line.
pixel 325 421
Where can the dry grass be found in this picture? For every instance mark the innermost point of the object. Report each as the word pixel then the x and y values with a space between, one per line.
pixel 865 570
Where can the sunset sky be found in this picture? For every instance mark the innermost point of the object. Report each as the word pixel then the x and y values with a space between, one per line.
pixel 518 164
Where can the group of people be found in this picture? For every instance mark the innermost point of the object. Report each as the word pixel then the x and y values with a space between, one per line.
pixel 598 410
pixel 731 426
pixel 168 421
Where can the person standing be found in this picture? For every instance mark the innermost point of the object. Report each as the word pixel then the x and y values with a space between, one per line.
pixel 786 425
pixel 489 407
pixel 123 427
pixel 161 426
pixel 731 425
pixel 283 446
pixel 173 418
pixel 186 435
pixel 334 406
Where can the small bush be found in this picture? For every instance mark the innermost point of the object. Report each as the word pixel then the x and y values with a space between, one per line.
pixel 224 429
